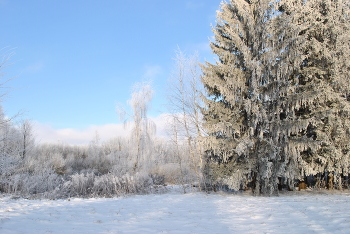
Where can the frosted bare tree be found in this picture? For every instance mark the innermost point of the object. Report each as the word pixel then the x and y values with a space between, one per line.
pixel 143 129
pixel 9 149
pixel 4 62
pixel 178 150
pixel 184 103
pixel 9 135
pixel 27 140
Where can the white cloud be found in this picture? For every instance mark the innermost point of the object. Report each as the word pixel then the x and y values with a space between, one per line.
pixel 45 133
pixel 151 71
pixel 161 122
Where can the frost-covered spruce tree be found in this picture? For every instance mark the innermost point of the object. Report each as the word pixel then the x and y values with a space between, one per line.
pixel 319 89
pixel 235 114
pixel 278 98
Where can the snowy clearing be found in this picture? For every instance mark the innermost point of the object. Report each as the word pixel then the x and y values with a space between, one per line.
pixel 180 213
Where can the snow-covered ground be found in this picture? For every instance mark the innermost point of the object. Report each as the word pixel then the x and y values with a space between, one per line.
pixel 180 213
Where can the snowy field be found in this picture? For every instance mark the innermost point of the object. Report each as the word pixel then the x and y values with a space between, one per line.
pixel 180 213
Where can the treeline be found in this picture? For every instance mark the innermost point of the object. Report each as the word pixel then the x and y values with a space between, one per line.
pixel 108 169
pixel 114 167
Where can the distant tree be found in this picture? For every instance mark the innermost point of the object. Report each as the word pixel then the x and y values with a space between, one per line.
pixel 27 139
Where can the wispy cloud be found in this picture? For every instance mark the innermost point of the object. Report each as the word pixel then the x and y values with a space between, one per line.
pixel 35 67
pixel 194 5
pixel 202 47
pixel 150 72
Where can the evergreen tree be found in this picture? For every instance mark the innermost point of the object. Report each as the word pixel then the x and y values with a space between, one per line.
pixel 277 104
pixel 319 100
pixel 234 111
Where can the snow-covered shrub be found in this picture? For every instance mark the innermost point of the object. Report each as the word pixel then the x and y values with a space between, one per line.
pixel 175 174
pixel 41 181
pixel 81 184
pixel 107 185
pixel 8 166
pixel 45 180
pixel 75 162
pixel 157 179
pixel 13 184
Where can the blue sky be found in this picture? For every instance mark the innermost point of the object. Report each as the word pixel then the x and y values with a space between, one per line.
pixel 75 60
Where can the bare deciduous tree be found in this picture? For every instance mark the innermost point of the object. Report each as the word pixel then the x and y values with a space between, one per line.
pixel 184 90
pixel 143 129
pixel 27 139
